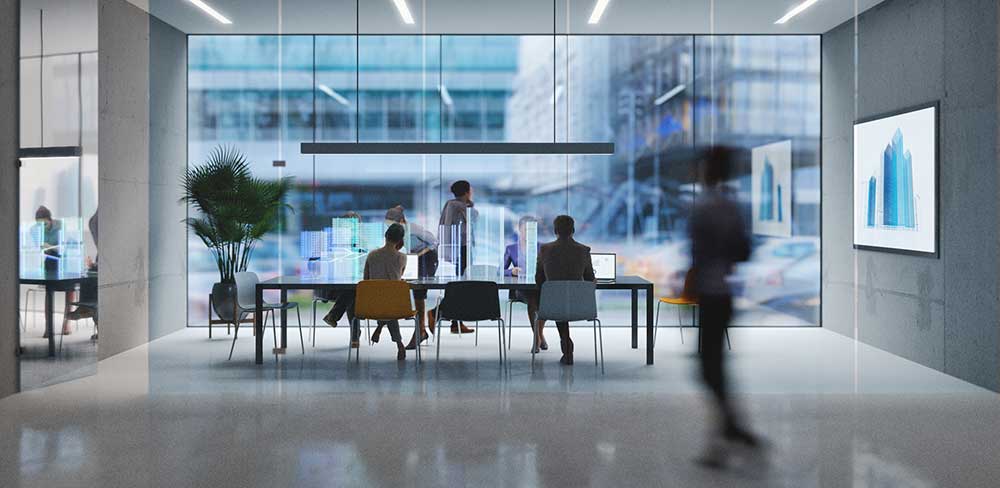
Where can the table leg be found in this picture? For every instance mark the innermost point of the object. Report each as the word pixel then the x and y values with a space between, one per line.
pixel 650 325
pixel 258 327
pixel 49 326
pixel 284 320
pixel 635 318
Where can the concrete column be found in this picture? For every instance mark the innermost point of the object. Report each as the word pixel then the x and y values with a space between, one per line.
pixel 10 45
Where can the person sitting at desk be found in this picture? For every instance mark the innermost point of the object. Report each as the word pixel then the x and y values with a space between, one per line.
pixel 564 260
pixel 424 245
pixel 514 264
pixel 50 229
pixel 387 263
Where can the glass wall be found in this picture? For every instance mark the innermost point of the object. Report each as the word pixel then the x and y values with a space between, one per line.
pixel 661 99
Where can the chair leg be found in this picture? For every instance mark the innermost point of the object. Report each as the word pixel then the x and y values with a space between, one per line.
pixel 298 316
pixel 510 322
pixel 477 334
pixel 314 324
pixel 656 322
pixel 416 335
pixel 600 332
pixel 368 332
pixel 730 344
pixel 595 343
pixel 236 333
pixel 534 342
pixel 437 327
pixel 500 327
pixel 274 328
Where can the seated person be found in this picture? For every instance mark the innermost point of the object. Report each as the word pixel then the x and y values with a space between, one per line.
pixel 564 260
pixel 424 245
pixel 387 263
pixel 514 264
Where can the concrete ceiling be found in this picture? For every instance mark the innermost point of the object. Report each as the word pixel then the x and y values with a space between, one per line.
pixel 507 16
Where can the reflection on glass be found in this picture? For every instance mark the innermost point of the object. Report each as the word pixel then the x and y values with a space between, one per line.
pixel 660 99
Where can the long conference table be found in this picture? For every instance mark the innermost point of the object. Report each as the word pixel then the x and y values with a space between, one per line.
pixel 283 284
pixel 55 282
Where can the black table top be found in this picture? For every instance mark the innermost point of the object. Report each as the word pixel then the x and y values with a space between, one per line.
pixel 295 282
pixel 56 278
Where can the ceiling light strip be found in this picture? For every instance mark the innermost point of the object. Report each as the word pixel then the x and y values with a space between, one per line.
pixel 599 7
pixel 798 9
pixel 222 19
pixel 404 11
pixel 670 94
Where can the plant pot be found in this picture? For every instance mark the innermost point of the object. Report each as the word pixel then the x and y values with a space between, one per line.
pixel 224 300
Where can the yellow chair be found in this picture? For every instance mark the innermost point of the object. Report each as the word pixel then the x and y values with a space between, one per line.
pixel 383 300
pixel 687 299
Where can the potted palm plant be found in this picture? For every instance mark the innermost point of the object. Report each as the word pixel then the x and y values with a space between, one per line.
pixel 235 210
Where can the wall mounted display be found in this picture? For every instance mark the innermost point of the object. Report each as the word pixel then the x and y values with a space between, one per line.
pixel 895 181
pixel 771 189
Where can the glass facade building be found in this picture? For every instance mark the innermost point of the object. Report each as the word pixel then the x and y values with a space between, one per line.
pixel 660 99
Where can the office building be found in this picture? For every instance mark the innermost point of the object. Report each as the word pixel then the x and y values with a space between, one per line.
pixel 191 190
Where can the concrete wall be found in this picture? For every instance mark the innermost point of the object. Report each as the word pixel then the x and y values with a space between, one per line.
pixel 142 130
pixel 9 127
pixel 942 312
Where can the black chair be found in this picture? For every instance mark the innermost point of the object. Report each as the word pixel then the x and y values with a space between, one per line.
pixel 471 301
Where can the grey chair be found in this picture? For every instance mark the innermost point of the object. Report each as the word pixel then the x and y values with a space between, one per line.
pixel 512 298
pixel 246 301
pixel 570 301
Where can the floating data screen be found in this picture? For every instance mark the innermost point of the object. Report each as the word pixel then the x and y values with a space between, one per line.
pixel 604 266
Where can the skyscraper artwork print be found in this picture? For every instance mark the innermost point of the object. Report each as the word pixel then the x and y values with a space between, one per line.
pixel 895 166
pixel 771 170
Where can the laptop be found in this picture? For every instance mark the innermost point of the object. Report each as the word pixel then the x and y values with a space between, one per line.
pixel 605 265
pixel 412 271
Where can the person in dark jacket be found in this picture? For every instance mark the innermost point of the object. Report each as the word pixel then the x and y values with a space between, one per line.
pixel 563 260
pixel 719 240
pixel 455 217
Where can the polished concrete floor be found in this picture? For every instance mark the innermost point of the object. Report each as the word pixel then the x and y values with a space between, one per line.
pixel 177 413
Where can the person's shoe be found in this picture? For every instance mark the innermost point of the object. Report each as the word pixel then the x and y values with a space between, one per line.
pixel 535 350
pixel 412 345
pixel 715 456
pixel 430 320
pixel 455 329
pixel 328 320
pixel 375 336
pixel 400 352
pixel 545 345
pixel 566 359
pixel 355 344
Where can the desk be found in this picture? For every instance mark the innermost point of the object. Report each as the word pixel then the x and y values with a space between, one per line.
pixel 54 282
pixel 634 284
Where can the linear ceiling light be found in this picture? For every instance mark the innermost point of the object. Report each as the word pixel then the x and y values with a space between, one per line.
pixel 333 94
pixel 796 11
pixel 670 94
pixel 404 11
pixel 599 7
pixel 211 11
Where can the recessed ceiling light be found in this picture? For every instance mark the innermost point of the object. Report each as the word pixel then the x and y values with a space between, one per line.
pixel 211 11
pixel 796 11
pixel 404 11
pixel 599 7
pixel 333 94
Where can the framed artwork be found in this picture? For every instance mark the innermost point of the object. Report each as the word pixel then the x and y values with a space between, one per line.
pixel 771 189
pixel 895 181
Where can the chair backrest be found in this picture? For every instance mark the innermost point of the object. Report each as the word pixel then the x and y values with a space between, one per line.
pixel 246 289
pixel 471 301
pixel 383 300
pixel 567 301
pixel 688 292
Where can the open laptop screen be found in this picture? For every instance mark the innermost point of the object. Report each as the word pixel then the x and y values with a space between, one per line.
pixel 605 265
pixel 412 271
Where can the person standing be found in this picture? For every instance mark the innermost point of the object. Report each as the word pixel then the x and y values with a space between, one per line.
pixel 564 260
pixel 455 218
pixel 719 240
pixel 387 263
